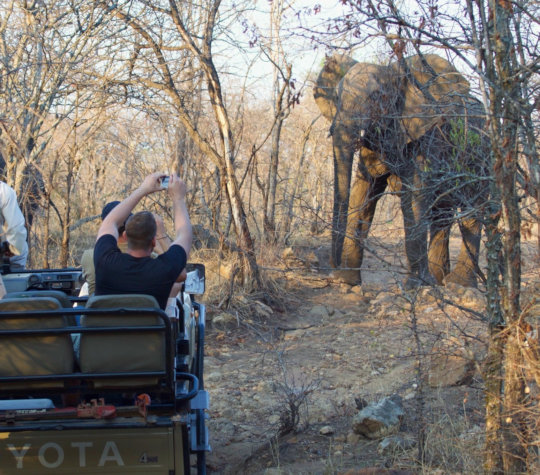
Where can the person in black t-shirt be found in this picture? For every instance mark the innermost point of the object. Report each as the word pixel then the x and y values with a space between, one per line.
pixel 135 272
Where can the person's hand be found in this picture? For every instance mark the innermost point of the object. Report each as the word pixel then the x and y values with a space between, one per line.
pixel 177 188
pixel 152 183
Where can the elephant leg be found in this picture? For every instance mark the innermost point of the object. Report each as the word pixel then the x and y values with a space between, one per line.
pixel 464 272
pixel 343 143
pixel 438 253
pixel 415 222
pixel 363 202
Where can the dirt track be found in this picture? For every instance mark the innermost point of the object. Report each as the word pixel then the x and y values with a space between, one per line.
pixel 334 346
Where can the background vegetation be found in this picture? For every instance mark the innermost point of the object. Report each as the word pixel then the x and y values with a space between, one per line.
pixel 96 94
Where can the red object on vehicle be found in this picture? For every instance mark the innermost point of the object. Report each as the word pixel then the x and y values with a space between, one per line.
pixel 96 410
pixel 143 401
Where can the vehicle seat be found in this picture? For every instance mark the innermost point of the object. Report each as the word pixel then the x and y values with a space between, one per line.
pixel 33 355
pixel 122 353
pixel 57 294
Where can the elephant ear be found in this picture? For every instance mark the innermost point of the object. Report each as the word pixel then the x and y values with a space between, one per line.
pixel 361 92
pixel 325 89
pixel 432 94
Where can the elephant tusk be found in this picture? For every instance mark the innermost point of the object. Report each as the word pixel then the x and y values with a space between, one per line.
pixel 362 133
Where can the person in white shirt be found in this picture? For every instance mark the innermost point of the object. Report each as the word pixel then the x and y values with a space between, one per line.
pixel 12 229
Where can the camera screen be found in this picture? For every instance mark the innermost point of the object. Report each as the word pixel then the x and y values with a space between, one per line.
pixel 165 182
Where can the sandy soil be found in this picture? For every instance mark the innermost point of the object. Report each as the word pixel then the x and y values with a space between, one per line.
pixel 285 384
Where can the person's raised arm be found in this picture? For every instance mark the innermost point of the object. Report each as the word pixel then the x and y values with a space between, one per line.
pixel 120 213
pixel 163 242
pixel 182 224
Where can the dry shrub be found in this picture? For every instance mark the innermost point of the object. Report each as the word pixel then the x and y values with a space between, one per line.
pixel 227 291
pixel 531 359
pixel 294 390
pixel 453 446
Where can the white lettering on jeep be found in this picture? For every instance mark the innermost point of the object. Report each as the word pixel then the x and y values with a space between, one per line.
pixel 82 451
pixel 110 453
pixel 59 455
pixel 19 455
pixel 110 446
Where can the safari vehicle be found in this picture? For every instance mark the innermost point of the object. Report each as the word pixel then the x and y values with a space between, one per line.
pixel 100 384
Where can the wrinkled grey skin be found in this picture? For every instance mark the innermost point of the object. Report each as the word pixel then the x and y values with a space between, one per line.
pixel 415 125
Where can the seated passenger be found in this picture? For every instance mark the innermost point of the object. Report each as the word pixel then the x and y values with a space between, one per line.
pixel 12 229
pixel 87 260
pixel 135 272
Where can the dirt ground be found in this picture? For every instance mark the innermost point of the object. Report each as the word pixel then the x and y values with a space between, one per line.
pixel 286 380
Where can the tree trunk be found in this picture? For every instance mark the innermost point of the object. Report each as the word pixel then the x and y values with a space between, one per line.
pixel 503 133
pixel 46 232
pixel 64 251
pixel 270 209
pixel 297 179
pixel 515 432
pixel 493 367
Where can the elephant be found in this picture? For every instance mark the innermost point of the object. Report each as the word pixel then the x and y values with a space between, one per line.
pixel 415 123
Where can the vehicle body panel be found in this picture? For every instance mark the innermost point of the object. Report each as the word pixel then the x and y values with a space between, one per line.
pixel 102 450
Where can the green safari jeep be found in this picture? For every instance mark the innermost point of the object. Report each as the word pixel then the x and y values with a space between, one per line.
pixel 100 384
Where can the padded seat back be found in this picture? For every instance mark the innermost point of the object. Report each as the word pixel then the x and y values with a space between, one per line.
pixel 33 355
pixel 30 294
pixel 57 294
pixel 118 352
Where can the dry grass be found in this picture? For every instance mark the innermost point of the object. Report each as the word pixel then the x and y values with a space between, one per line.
pixel 453 446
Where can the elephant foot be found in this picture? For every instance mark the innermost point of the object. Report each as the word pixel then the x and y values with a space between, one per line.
pixel 415 281
pixel 463 277
pixel 351 277
pixel 437 272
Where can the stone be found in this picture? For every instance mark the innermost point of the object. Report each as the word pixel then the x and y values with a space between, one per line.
pixel 357 289
pixel 288 253
pixel 326 430
pixel 312 260
pixel 360 403
pixel 273 471
pixel 213 376
pixel 274 419
pixel 353 438
pixel 379 419
pixel 343 287
pixel 452 363
pixel 473 298
pixel 395 443
pixel 261 309
pixel 319 311
pixel 388 297
pixel 449 370
pixel 224 320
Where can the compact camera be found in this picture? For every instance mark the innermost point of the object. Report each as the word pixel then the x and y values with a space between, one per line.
pixel 165 182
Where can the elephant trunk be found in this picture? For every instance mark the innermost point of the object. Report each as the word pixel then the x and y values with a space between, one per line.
pixel 343 160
